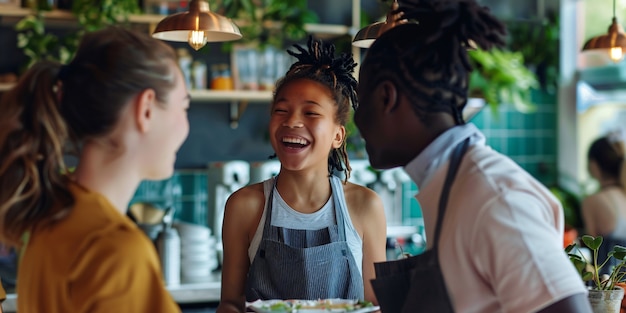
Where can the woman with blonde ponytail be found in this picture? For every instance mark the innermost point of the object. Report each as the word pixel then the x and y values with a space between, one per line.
pixel 119 107
pixel 604 212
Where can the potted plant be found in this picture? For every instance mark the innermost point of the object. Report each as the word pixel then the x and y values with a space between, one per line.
pixel 605 295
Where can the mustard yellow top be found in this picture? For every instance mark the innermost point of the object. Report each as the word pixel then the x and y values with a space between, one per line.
pixel 94 260
pixel 3 295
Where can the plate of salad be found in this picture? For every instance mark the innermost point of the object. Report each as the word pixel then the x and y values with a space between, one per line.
pixel 312 306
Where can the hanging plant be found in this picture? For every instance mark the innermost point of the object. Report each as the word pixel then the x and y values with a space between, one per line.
pixel 268 22
pixel 500 77
pixel 97 14
pixel 538 41
pixel 38 44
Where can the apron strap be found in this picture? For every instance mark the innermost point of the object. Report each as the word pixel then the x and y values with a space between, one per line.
pixel 455 162
pixel 268 210
pixel 339 218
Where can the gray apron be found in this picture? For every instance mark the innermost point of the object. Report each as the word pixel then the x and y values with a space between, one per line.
pixel 415 284
pixel 304 264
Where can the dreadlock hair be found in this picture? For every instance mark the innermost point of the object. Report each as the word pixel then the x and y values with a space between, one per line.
pixel 320 64
pixel 427 57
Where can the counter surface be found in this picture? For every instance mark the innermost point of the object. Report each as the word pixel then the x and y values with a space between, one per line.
pixel 200 292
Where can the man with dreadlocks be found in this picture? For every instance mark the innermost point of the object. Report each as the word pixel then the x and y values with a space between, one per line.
pixel 305 234
pixel 494 232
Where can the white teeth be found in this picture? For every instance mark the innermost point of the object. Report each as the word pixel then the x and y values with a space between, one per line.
pixel 295 140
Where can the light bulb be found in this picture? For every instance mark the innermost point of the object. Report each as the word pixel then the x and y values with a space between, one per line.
pixel 616 54
pixel 197 39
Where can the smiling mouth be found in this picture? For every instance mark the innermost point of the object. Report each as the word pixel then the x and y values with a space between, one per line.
pixel 295 142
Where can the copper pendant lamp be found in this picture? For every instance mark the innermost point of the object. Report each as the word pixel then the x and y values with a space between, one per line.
pixel 366 36
pixel 614 42
pixel 197 26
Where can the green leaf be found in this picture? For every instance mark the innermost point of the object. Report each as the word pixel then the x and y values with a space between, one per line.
pixel 592 242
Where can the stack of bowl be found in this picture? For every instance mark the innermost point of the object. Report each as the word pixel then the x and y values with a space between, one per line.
pixel 198 253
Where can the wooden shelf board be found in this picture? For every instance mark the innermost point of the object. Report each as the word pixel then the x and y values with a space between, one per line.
pixel 22 12
pixel 327 30
pixel 209 95
pixel 6 86
pixel 230 95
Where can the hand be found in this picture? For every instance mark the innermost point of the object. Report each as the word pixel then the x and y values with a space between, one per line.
pixel 393 18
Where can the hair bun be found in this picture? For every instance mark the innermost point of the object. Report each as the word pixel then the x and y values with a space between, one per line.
pixel 464 19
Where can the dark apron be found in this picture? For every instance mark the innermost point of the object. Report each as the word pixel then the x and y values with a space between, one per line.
pixel 304 264
pixel 416 284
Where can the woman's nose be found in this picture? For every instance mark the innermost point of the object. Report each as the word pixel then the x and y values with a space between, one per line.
pixel 293 121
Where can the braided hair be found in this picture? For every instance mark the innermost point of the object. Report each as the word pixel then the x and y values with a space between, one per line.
pixel 319 63
pixel 427 57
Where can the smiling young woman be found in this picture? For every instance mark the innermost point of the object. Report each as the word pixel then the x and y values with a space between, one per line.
pixel 305 234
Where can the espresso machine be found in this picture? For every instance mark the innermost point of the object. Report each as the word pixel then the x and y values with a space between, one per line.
pixel 361 173
pixel 263 170
pixel 224 178
pixel 391 186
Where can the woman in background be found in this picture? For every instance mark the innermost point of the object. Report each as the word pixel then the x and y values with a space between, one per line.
pixel 604 212
pixel 122 103
pixel 305 234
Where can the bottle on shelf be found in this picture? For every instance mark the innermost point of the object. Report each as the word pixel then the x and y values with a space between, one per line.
pixel 184 61
pixel 199 75
pixel 220 77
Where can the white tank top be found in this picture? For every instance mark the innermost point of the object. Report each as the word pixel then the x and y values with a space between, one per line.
pixel 284 216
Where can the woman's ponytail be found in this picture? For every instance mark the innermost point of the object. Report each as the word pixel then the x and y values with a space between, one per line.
pixel 33 136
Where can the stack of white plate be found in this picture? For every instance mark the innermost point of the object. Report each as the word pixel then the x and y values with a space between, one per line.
pixel 198 256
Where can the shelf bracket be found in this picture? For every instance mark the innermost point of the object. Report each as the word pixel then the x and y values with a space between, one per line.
pixel 236 110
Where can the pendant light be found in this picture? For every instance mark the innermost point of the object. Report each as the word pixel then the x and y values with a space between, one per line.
pixel 197 26
pixel 614 42
pixel 366 36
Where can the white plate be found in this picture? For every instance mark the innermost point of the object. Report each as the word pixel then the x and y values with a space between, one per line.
pixel 308 306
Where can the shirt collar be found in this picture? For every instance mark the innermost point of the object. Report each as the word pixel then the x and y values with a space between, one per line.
pixel 437 153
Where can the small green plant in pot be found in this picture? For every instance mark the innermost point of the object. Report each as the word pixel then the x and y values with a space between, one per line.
pixel 605 295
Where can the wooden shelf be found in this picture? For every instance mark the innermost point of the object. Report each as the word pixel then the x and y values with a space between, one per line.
pixel 328 30
pixel 5 86
pixel 323 30
pixel 210 95
pixel 230 95
pixel 22 12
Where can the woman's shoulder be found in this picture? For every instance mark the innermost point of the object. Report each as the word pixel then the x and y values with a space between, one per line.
pixel 361 197
pixel 247 196
pixel 359 191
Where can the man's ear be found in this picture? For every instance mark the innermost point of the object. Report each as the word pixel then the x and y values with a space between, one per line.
pixel 389 95
pixel 144 106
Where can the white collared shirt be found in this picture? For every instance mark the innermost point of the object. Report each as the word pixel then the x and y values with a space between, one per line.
pixel 501 245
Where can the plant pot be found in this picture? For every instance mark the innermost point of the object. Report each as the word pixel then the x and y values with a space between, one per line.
pixel 606 301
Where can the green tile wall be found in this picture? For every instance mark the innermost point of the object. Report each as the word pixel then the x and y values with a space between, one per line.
pixel 527 138
pixel 186 190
